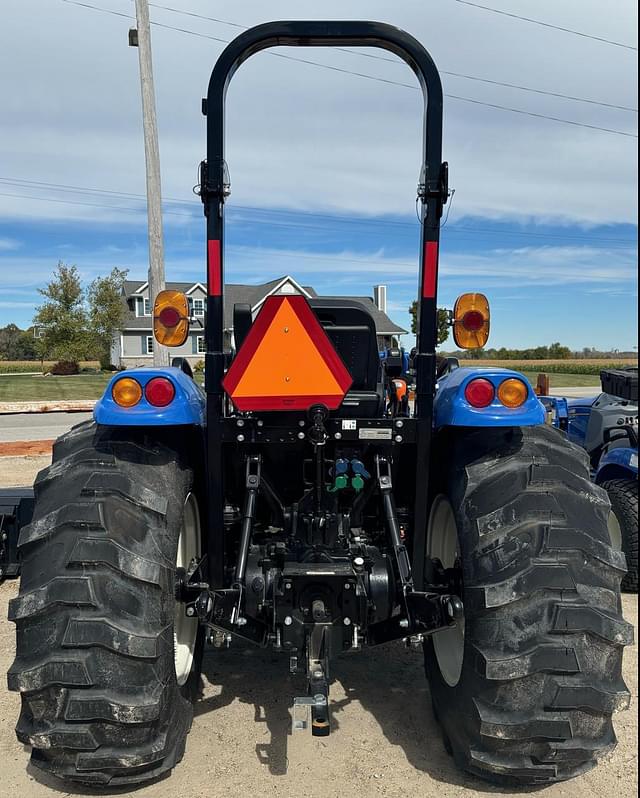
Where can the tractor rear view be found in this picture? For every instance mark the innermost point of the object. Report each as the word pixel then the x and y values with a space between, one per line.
pixel 290 506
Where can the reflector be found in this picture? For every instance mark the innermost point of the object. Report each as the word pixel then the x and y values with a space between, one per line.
pixel 286 362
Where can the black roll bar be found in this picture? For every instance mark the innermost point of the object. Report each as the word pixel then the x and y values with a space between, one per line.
pixel 432 191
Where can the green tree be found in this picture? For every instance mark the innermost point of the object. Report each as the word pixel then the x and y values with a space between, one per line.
pixel 106 312
pixel 16 344
pixel 556 350
pixel 62 317
pixel 443 321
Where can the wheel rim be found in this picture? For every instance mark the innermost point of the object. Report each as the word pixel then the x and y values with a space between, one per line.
pixel 443 544
pixel 615 531
pixel 185 629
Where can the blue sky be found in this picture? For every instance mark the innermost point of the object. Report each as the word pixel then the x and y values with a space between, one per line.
pixel 324 164
pixel 528 271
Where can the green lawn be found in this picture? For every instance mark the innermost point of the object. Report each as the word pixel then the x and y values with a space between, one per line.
pixel 28 388
pixel 565 380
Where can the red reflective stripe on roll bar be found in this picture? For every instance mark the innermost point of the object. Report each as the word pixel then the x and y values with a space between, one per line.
pixel 429 269
pixel 214 267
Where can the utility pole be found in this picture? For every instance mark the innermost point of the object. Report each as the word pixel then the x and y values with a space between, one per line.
pixel 141 38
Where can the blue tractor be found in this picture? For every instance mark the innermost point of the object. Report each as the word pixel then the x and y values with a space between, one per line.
pixel 606 426
pixel 291 505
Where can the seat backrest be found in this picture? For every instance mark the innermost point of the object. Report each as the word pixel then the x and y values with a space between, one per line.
pixel 352 331
pixel 242 321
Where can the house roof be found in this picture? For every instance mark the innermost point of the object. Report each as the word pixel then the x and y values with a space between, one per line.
pixel 384 325
pixel 253 295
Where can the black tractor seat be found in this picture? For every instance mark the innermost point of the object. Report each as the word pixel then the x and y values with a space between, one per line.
pixel 352 332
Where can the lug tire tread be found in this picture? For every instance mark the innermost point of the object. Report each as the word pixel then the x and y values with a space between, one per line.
pixel 94 616
pixel 544 634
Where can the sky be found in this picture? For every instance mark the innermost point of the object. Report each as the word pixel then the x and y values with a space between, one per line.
pixel 324 163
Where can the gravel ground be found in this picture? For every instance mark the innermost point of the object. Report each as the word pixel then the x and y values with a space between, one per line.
pixel 385 740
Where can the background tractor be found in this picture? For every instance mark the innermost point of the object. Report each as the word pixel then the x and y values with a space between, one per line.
pixel 292 505
pixel 606 426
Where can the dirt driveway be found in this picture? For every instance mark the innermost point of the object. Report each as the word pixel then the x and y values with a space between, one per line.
pixel 385 740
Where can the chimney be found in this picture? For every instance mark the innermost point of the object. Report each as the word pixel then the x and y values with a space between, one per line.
pixel 380 297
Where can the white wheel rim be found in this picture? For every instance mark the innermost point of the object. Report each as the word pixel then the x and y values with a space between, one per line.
pixel 615 531
pixel 185 629
pixel 443 544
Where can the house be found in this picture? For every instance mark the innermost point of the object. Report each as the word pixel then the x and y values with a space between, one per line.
pixel 133 346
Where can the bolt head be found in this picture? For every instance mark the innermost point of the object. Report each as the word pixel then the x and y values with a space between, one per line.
pixel 399 424
pixel 240 438
pixel 338 435
pixel 190 611
pixel 288 620
pixel 240 422
pixel 358 561
pixel 398 439
pixel 346 621
pixel 403 623
pixel 301 435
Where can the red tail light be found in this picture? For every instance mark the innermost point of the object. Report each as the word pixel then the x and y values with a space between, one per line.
pixel 473 321
pixel 159 392
pixel 169 317
pixel 480 392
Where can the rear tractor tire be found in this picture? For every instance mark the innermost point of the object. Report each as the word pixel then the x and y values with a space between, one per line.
pixel 525 687
pixel 107 663
pixel 623 525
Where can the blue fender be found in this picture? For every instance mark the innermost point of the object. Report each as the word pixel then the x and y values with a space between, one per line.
pixel 618 463
pixel 452 409
pixel 187 407
pixel 579 415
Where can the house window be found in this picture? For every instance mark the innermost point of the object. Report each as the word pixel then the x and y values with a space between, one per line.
pixel 200 345
pixel 198 307
pixel 149 344
pixel 147 307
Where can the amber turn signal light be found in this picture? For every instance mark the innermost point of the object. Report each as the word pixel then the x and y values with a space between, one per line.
pixel 126 392
pixel 171 318
pixel 471 321
pixel 513 392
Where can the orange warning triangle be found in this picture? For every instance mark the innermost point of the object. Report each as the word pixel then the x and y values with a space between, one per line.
pixel 286 362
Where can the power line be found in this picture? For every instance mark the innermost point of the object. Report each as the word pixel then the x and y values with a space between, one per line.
pixel 124 208
pixel 542 116
pixel 397 62
pixel 542 91
pixel 494 106
pixel 343 219
pixel 547 25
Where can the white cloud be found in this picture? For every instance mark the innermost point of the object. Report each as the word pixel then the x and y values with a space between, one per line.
pixel 304 137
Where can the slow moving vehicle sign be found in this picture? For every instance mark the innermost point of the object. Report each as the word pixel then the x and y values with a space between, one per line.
pixel 287 361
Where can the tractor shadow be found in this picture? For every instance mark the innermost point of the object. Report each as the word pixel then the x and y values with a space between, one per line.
pixel 388 682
